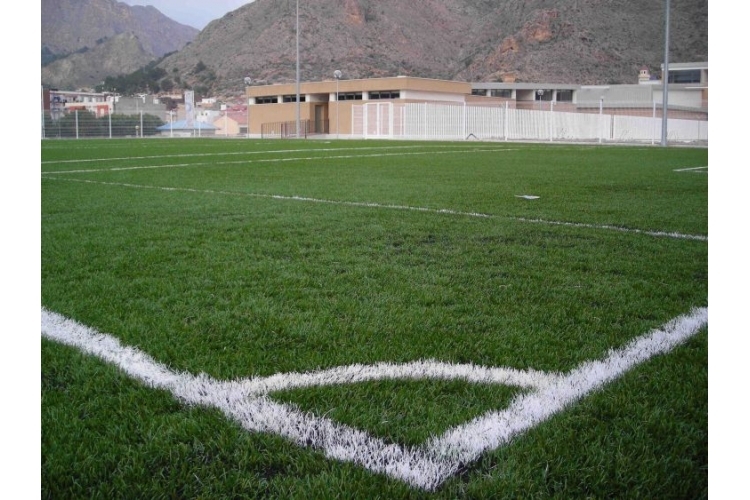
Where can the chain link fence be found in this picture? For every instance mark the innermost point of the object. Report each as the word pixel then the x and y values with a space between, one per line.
pixel 84 124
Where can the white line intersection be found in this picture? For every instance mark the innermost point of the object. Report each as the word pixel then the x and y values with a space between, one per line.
pixel 426 466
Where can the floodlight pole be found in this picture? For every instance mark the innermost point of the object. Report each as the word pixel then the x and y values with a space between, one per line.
pixel 248 81
pixel 665 77
pixel 337 75
pixel 298 105
pixel 42 111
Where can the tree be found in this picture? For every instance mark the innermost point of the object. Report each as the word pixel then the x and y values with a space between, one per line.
pixel 167 85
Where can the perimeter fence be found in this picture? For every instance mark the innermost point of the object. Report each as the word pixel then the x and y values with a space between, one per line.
pixel 288 129
pixel 549 122
pixel 83 124
pixel 546 122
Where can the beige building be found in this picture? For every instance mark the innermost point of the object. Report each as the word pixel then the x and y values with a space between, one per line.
pixel 422 108
pixel 232 122
pixel 326 106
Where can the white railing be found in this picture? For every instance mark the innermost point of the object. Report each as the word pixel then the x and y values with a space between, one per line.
pixel 609 122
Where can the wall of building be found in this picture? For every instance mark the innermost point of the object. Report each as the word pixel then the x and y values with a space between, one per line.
pixel 688 98
pixel 226 126
pixel 422 95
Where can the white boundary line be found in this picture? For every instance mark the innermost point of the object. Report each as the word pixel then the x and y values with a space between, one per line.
pixel 253 153
pixel 427 466
pixel 447 211
pixel 699 170
pixel 271 160
pixel 657 234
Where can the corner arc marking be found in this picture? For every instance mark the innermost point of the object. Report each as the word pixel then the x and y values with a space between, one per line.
pixel 427 466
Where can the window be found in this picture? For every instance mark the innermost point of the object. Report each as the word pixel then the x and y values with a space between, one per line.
pixel 685 76
pixel 350 96
pixel 385 94
pixel 481 92
pixel 266 100
pixel 293 98
pixel 543 95
pixel 507 93
pixel 565 96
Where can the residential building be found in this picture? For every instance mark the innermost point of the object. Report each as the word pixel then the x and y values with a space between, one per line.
pixel 61 102
pixel 232 122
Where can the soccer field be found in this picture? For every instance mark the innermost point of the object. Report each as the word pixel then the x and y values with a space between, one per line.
pixel 366 319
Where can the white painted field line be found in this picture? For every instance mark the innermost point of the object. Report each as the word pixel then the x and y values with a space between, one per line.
pixel 496 428
pixel 426 466
pixel 271 160
pixel 417 370
pixel 658 234
pixel 362 204
pixel 692 169
pixel 247 153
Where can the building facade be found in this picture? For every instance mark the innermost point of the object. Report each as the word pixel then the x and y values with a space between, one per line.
pixel 327 106
pixel 332 107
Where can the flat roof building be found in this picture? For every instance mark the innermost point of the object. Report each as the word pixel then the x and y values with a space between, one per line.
pixel 326 106
pixel 386 106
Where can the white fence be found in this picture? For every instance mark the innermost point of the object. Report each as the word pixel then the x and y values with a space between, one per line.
pixel 432 121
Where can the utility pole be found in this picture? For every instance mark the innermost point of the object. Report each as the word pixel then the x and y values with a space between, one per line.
pixel 665 78
pixel 298 106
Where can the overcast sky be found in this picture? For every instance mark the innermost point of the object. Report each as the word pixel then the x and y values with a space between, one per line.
pixel 196 13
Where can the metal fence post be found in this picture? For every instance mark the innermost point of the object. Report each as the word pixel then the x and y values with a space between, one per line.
pixel 601 118
pixel 505 121
pixel 551 119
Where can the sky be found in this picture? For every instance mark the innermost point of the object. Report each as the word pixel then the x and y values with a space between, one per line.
pixel 195 13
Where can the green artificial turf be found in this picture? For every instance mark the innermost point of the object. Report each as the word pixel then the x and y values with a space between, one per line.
pixel 241 258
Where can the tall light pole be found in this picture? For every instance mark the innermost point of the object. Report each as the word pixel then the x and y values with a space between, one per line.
pixel 298 106
pixel 337 75
pixel 248 81
pixel 42 111
pixel 665 77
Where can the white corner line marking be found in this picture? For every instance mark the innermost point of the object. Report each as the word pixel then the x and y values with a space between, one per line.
pixel 426 466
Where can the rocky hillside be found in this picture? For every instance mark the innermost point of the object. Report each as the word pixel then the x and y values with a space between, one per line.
pixel 556 41
pixel 85 39
pixel 90 67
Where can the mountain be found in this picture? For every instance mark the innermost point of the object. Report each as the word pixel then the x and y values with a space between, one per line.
pixel 84 40
pixel 555 41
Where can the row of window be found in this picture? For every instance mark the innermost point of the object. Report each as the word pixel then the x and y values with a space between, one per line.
pixel 385 94
pixel 545 95
pixel 343 96
pixel 350 96
pixel 293 98
pixel 507 93
pixel 274 99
